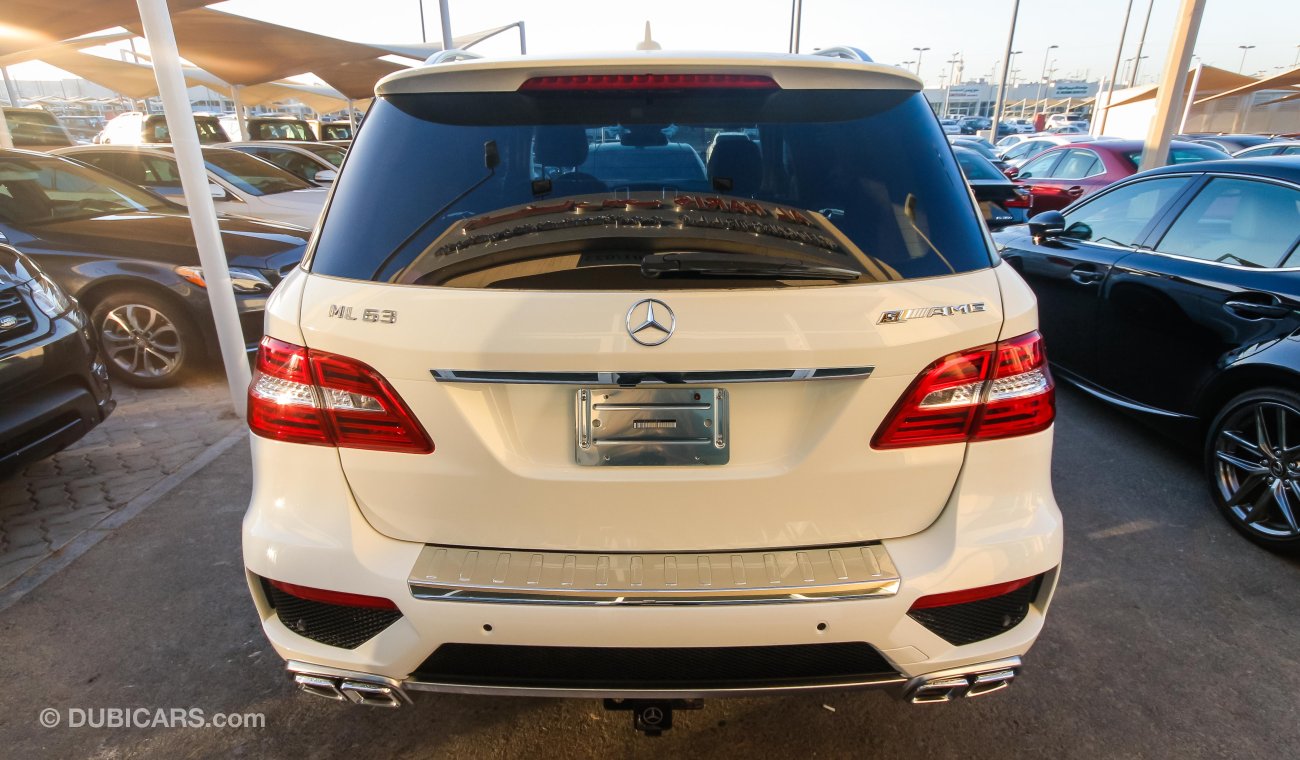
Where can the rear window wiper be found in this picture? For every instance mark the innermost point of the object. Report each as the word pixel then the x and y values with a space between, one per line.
pixel 707 264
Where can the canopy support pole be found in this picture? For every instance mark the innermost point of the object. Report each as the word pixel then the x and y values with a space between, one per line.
pixel 1100 123
pixel 523 45
pixel 1172 82
pixel 10 90
pixel 240 117
pixel 194 181
pixel 445 13
pixel 352 120
pixel 6 141
pixel 1006 69
pixel 1191 98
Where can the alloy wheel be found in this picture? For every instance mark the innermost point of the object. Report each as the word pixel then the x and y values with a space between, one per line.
pixel 1256 468
pixel 141 341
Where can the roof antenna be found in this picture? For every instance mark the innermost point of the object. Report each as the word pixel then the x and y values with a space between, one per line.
pixel 648 43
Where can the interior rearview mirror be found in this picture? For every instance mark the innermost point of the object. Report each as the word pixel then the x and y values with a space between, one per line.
pixel 1049 224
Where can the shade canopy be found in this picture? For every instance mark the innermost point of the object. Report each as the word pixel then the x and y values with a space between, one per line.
pixel 1284 81
pixel 80 43
pixel 133 80
pixel 356 79
pixel 27 24
pixel 245 51
pixel 421 51
pixel 1213 79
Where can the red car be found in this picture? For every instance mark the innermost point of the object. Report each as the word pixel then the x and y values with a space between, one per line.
pixel 1059 176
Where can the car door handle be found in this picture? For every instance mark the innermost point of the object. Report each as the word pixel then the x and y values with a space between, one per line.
pixel 1074 192
pixel 1257 310
pixel 1086 274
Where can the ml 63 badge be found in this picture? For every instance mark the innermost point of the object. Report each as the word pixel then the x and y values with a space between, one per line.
pixel 904 315
pixel 382 316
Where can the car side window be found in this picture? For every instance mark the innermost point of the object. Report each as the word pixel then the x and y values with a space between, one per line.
pixel 1119 216
pixel 1237 221
pixel 1040 167
pixel 1078 164
pixel 1294 150
pixel 160 172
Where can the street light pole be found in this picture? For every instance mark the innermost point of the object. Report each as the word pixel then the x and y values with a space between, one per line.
pixel 1137 57
pixel 424 36
pixel 920 51
pixel 1172 82
pixel 1244 49
pixel 952 79
pixel 1042 81
pixel 1006 69
pixel 1100 123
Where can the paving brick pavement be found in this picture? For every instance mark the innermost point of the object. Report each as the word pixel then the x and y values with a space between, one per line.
pixel 150 435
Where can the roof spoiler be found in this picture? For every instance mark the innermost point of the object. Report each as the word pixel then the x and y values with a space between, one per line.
pixel 846 52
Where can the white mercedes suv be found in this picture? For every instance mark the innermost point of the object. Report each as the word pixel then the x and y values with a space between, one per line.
pixel 558 406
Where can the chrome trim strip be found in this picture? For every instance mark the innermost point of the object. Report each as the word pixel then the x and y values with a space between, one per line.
pixel 861 682
pixel 649 377
pixel 764 576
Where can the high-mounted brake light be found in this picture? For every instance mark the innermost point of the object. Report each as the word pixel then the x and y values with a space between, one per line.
pixel 301 395
pixel 610 82
pixel 984 393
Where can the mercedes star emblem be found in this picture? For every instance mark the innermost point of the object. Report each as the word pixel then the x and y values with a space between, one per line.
pixel 650 322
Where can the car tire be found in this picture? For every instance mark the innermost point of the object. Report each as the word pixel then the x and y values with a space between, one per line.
pixel 1254 476
pixel 148 340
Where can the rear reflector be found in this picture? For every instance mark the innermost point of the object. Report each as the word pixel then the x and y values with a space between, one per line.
pixel 301 395
pixel 607 82
pixel 980 394
pixel 334 597
pixel 970 594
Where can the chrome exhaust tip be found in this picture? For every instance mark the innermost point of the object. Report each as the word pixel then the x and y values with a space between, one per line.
pixel 959 683
pixel 348 686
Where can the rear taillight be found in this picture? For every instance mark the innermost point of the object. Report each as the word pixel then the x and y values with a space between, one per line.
pixel 301 395
pixel 1022 200
pixel 980 394
pixel 608 82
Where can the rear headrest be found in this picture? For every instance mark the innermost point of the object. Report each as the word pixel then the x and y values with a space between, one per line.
pixel 560 146
pixel 739 161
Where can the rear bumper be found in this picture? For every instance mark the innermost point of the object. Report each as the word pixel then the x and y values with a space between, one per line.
pixel 55 391
pixel 1001 524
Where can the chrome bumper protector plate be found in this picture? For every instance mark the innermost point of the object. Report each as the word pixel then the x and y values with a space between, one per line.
pixel 631 378
pixel 467 574
pixel 865 682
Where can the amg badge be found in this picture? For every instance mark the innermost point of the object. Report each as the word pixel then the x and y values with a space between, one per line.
pixel 384 316
pixel 903 315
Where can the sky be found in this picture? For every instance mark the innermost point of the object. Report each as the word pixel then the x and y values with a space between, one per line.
pixel 1086 31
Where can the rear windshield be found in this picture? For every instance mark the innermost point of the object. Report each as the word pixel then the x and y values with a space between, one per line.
pixel 209 129
pixel 279 130
pixel 35 129
pixel 634 191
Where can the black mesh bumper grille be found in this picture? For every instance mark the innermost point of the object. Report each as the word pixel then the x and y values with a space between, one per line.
pixel 976 621
pixel 652 668
pixel 332 624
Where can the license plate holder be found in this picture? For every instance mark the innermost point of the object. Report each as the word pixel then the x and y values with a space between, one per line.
pixel 647 427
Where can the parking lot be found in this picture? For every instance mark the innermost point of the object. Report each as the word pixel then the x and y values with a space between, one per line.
pixel 1170 636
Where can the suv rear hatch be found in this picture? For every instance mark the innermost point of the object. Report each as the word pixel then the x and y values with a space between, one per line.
pixel 653 351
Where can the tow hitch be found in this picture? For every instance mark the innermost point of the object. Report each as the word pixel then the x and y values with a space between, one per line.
pixel 652 717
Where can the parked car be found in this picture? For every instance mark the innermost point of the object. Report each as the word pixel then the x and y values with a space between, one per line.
pixel 542 349
pixel 36 129
pixel 1068 129
pixel 982 147
pixel 268 128
pixel 1059 176
pixel 1023 126
pixel 973 124
pixel 331 152
pixel 128 257
pixel 54 384
pixel 1002 201
pixel 1023 151
pixel 1275 148
pixel 136 128
pixel 242 185
pixel 335 130
pixel 1173 295
pixel 1058 121
pixel 950 126
pixel 82 129
pixel 1231 143
pixel 300 162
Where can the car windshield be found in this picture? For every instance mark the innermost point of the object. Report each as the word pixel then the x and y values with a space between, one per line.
pixel 1182 154
pixel 331 153
pixel 35 190
pixel 210 131
pixel 279 130
pixel 35 129
pixel 585 187
pixel 251 175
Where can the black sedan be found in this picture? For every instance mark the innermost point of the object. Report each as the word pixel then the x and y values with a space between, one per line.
pixel 129 257
pixel 54 385
pixel 1002 202
pixel 1175 294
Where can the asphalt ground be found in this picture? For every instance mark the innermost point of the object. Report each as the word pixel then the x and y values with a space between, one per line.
pixel 1170 636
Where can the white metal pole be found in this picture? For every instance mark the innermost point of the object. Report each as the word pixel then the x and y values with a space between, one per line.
pixel 523 44
pixel 796 21
pixel 241 118
pixel 10 90
pixel 1191 98
pixel 1114 73
pixel 1137 57
pixel 6 141
pixel 1006 69
pixel 352 121
pixel 194 181
pixel 445 12
pixel 1168 106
